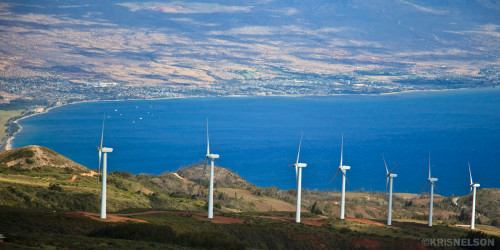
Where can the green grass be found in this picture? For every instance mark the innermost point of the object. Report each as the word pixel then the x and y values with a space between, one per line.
pixel 5 115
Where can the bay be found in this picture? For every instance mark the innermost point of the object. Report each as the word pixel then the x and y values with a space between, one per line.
pixel 258 137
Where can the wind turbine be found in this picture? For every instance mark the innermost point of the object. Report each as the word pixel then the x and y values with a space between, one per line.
pixel 473 186
pixel 99 148
pixel 298 179
pixel 433 185
pixel 211 189
pixel 389 175
pixel 344 179
pixel 104 172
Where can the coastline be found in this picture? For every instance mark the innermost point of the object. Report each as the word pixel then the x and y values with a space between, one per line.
pixel 8 142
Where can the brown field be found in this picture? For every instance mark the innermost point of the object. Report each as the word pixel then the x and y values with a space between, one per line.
pixel 262 203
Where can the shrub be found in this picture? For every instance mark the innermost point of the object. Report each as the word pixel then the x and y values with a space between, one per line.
pixel 123 174
pixel 56 187
pixel 371 213
pixel 20 153
pixel 316 209
pixel 495 223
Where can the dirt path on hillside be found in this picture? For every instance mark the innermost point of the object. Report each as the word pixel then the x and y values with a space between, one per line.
pixel 184 180
pixel 364 221
pixel 73 178
pixel 216 219
pixel 110 217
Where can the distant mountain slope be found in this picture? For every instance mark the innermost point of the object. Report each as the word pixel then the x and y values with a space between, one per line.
pixel 97 49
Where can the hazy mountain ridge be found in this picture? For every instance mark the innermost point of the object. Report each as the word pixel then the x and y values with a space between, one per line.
pixel 237 47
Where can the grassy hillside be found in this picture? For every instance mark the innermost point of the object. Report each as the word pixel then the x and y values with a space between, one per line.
pixel 5 116
pixel 40 187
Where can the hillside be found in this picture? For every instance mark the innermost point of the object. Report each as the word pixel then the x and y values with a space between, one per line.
pixel 40 187
pixel 30 157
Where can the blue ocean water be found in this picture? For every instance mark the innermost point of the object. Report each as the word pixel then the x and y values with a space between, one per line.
pixel 258 137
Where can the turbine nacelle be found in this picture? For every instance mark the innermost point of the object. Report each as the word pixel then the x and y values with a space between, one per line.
pixel 475 185
pixel 106 150
pixel 345 167
pixel 299 165
pixel 212 156
pixel 432 180
pixel 392 175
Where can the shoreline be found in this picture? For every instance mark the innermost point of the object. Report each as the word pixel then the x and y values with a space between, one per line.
pixel 8 142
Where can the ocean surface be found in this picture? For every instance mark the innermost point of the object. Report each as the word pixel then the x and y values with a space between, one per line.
pixel 258 137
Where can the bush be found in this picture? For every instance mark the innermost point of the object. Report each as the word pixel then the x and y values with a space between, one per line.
pixel 118 183
pixel 20 153
pixel 56 187
pixel 316 209
pixel 123 174
pixel 495 223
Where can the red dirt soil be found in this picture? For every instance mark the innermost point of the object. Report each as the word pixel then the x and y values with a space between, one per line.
pixel 364 221
pixel 122 218
pixel 366 243
pixel 110 217
pixel 216 219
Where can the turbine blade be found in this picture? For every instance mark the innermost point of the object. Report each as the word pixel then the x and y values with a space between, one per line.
pixel 386 170
pixel 386 182
pixel 470 174
pixel 208 141
pixel 424 187
pixel 296 173
pixel 429 164
pixel 102 131
pixel 99 170
pixel 435 187
pixel 205 167
pixel 347 180
pixel 390 172
pixel 342 149
pixel 338 171
pixel 298 154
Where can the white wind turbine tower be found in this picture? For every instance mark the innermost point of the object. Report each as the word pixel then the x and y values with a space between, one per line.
pixel 211 189
pixel 473 187
pixel 298 179
pixel 389 175
pixel 99 148
pixel 344 179
pixel 104 172
pixel 433 185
